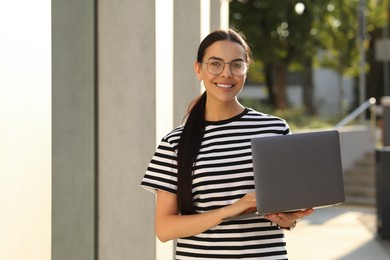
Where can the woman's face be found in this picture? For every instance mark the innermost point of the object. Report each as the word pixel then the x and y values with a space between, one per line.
pixel 225 86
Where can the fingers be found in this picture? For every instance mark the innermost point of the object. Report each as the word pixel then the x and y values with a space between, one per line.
pixel 274 218
pixel 284 217
pixel 244 205
pixel 249 200
pixel 251 195
pixel 250 210
pixel 304 213
pixel 296 214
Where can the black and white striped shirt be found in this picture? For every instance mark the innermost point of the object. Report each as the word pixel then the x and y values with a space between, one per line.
pixel 223 173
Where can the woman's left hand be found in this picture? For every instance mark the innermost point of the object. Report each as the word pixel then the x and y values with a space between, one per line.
pixel 288 219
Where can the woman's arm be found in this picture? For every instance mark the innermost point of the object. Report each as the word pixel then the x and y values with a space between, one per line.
pixel 169 225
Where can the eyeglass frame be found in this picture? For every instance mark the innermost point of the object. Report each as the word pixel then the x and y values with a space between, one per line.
pixel 224 63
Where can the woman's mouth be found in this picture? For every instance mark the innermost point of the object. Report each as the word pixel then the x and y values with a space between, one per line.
pixel 224 85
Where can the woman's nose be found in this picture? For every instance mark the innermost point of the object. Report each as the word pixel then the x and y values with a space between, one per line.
pixel 227 72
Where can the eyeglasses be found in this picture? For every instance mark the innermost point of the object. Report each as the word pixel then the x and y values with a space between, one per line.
pixel 216 67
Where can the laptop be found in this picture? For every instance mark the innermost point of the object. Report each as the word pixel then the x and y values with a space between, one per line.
pixel 296 172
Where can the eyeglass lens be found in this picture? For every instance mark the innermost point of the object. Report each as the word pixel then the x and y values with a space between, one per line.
pixel 238 68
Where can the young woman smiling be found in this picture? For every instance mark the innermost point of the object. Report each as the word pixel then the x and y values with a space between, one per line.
pixel 202 171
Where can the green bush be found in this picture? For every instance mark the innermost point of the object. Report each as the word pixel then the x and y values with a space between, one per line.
pixel 297 118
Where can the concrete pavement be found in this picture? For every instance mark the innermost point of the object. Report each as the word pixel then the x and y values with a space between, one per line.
pixel 340 232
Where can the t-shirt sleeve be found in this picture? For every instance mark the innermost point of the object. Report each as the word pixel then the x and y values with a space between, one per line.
pixel 161 173
pixel 287 129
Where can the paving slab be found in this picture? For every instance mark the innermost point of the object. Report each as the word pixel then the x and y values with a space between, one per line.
pixel 342 232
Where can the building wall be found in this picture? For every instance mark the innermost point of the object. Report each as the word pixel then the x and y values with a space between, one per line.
pixel 112 101
pixel 327 93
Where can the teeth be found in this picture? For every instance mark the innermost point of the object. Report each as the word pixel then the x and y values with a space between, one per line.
pixel 224 86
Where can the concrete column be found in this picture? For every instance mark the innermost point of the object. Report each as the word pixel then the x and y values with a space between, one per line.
pixel 215 17
pixel 186 42
pixel 104 122
pixel 73 130
pixel 126 128
pixel 220 14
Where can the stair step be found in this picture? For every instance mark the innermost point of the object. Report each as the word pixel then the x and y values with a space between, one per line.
pixel 360 191
pixel 365 163
pixel 360 171
pixel 359 180
pixel 360 200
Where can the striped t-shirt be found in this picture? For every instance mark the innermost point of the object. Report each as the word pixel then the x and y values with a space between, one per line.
pixel 222 174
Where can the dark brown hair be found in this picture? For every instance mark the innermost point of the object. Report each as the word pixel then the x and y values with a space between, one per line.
pixel 193 131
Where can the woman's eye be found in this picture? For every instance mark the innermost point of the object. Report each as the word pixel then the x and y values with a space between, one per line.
pixel 216 63
pixel 236 65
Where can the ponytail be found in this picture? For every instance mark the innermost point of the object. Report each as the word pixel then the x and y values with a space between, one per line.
pixel 188 150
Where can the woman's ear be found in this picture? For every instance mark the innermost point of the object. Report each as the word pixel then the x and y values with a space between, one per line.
pixel 198 70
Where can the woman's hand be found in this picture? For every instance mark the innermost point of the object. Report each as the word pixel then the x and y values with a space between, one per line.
pixel 170 225
pixel 288 219
pixel 244 205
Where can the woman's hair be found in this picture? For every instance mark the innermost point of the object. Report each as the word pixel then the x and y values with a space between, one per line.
pixel 192 135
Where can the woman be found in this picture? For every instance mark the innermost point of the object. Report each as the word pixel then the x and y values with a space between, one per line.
pixel 202 171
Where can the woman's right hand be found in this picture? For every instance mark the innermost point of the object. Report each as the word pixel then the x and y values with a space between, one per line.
pixel 169 224
pixel 244 205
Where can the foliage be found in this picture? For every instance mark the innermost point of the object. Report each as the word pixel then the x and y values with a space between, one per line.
pixel 280 35
pixel 297 118
pixel 275 30
pixel 255 73
pixel 278 32
pixel 339 32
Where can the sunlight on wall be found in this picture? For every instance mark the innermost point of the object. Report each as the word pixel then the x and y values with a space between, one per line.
pixel 204 26
pixel 25 132
pixel 204 18
pixel 224 14
pixel 164 67
pixel 164 89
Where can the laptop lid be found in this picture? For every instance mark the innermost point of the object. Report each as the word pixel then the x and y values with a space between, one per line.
pixel 298 171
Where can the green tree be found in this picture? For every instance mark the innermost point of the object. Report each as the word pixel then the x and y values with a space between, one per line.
pixel 281 35
pixel 340 32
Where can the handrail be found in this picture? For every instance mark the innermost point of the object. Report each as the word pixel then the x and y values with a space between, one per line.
pixel 356 113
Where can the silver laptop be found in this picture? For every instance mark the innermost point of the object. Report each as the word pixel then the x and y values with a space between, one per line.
pixel 295 172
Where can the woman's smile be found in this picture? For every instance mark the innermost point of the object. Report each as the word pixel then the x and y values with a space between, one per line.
pixel 224 85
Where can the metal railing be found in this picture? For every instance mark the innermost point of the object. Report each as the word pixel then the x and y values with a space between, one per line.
pixel 358 111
